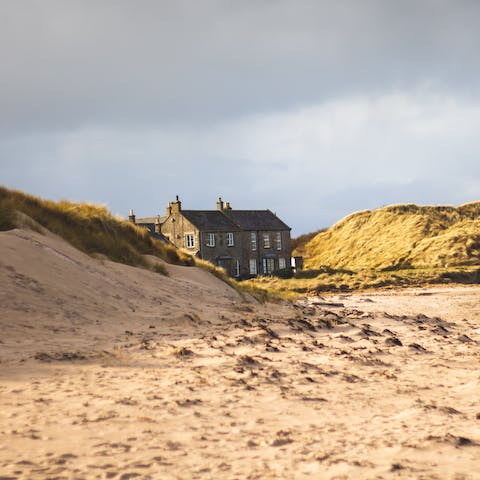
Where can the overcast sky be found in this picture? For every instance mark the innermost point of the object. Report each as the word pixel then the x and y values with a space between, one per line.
pixel 313 109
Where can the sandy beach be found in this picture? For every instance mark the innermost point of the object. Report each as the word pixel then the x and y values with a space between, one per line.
pixel 114 372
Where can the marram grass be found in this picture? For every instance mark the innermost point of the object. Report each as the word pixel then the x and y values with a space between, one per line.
pixel 88 227
pixel 315 282
pixel 400 237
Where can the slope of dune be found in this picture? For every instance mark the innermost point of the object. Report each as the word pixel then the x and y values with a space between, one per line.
pixel 64 297
pixel 400 236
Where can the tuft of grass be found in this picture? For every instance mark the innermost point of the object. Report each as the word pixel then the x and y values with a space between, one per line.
pixel 7 215
pixel 88 227
pixel 161 269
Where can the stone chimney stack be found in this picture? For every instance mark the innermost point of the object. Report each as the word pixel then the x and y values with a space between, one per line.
pixel 131 216
pixel 227 206
pixel 176 205
pixel 220 204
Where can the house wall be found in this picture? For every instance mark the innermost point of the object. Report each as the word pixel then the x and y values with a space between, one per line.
pixel 261 252
pixel 175 227
pixel 221 252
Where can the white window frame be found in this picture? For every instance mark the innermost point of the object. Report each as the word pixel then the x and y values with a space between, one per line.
pixel 230 239
pixel 252 265
pixel 278 240
pixel 190 240
pixel 210 242
pixel 253 241
pixel 282 263
pixel 266 240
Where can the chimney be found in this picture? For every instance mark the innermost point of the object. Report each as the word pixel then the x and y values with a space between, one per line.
pixel 176 205
pixel 227 206
pixel 131 216
pixel 220 204
pixel 156 226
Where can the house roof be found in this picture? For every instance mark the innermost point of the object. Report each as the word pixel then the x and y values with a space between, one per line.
pixel 229 220
pixel 148 220
pixel 256 220
pixel 212 220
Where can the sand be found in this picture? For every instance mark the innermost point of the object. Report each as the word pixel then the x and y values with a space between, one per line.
pixel 109 371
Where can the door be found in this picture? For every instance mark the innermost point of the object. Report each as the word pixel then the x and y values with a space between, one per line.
pixel 268 266
pixel 228 264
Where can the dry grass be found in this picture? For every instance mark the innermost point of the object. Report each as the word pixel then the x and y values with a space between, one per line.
pixel 88 227
pixel 313 282
pixel 299 243
pixel 400 236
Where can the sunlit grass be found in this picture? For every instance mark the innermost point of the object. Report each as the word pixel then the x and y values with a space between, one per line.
pixel 90 228
pixel 313 282
pixel 400 237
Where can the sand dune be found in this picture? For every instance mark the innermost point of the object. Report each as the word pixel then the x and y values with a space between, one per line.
pixel 109 371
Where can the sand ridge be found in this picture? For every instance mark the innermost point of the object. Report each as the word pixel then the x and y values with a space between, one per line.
pixel 108 371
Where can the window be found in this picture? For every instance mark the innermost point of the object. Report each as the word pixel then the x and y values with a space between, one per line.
pixel 253 240
pixel 230 242
pixel 210 240
pixel 278 240
pixel 189 240
pixel 266 240
pixel 253 266
pixel 282 263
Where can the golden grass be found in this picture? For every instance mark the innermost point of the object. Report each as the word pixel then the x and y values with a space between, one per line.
pixel 313 282
pixel 299 243
pixel 400 236
pixel 88 227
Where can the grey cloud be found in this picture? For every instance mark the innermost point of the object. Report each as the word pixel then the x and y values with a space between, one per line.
pixel 311 108
pixel 68 64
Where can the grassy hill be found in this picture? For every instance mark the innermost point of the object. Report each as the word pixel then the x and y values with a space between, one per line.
pixel 395 246
pixel 400 236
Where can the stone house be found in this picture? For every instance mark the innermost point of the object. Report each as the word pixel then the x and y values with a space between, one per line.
pixel 246 243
